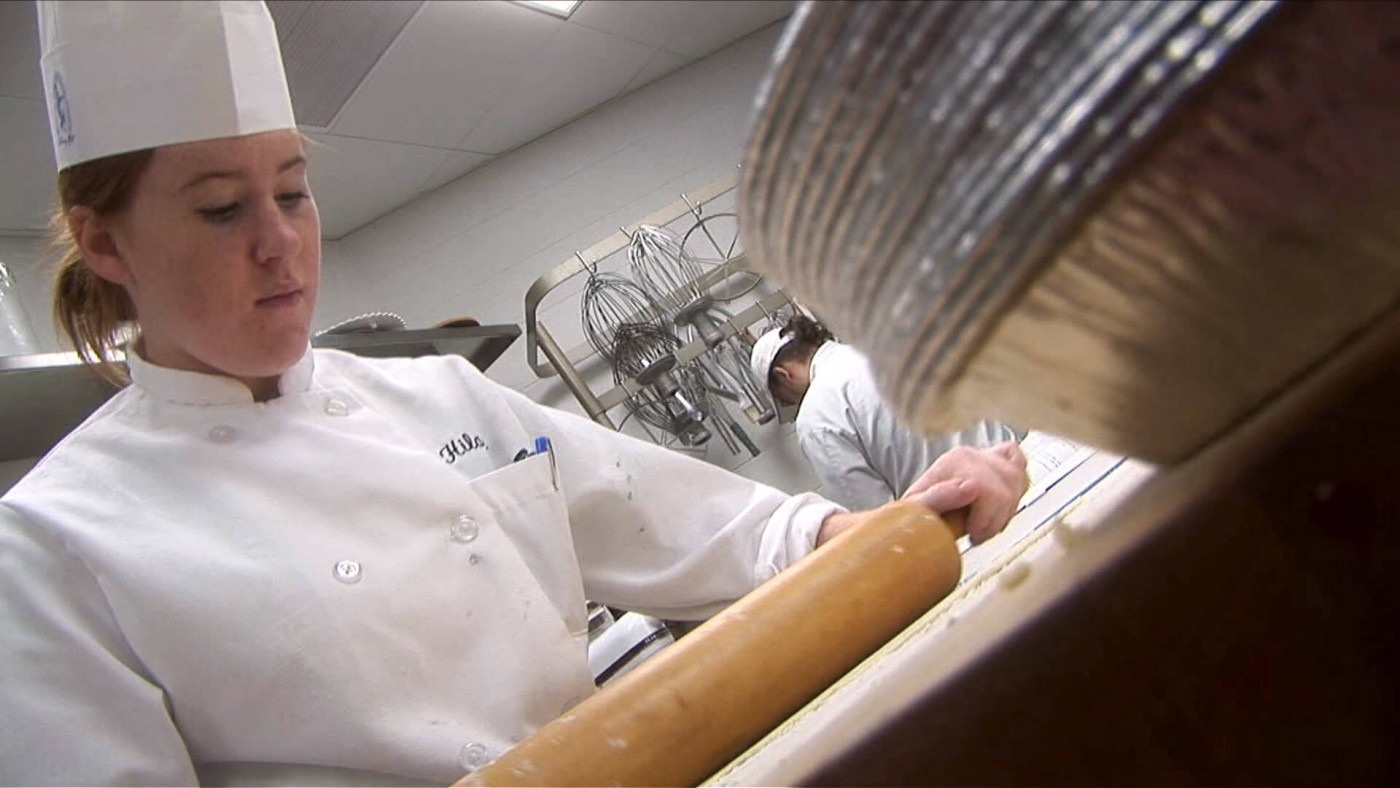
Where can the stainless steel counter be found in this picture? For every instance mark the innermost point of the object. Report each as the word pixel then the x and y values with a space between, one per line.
pixel 45 395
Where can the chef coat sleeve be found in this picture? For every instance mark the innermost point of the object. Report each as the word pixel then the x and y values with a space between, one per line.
pixel 665 534
pixel 845 473
pixel 75 706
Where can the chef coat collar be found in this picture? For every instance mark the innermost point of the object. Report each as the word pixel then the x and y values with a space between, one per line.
pixel 199 388
pixel 826 350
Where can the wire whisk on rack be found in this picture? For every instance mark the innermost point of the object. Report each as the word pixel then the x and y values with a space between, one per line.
pixel 638 345
pixel 609 302
pixel 668 273
pixel 673 397
pixel 671 276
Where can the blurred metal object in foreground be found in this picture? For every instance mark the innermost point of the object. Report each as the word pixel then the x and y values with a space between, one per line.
pixel 1129 223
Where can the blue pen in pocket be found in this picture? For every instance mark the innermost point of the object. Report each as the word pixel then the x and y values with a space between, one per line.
pixel 541 446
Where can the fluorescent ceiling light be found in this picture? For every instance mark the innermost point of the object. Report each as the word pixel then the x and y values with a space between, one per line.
pixel 559 8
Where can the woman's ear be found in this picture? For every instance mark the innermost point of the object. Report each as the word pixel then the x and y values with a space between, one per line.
pixel 93 235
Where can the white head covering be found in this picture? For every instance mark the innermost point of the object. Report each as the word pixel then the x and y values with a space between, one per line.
pixel 121 76
pixel 765 350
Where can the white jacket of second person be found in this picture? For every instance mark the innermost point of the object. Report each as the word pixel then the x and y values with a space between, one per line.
pixel 356 578
pixel 862 454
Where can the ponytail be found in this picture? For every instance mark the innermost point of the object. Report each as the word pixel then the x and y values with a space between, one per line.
pixel 807 334
pixel 94 314
pixel 807 331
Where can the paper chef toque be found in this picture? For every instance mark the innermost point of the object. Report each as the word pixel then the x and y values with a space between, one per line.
pixel 765 350
pixel 124 76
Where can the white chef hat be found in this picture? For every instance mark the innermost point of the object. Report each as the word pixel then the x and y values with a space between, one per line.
pixel 765 350
pixel 124 75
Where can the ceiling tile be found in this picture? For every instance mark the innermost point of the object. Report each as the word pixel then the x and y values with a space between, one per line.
pixel 661 64
pixel 714 23
pixel 754 52
pixel 580 69
pixel 26 165
pixel 648 23
pixel 357 181
pixel 445 70
pixel 330 46
pixel 457 164
pixel 19 51
pixel 287 14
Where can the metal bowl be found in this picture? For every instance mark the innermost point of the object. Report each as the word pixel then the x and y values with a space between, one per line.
pixel 1125 222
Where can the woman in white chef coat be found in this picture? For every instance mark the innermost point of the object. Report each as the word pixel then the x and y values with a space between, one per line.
pixel 861 452
pixel 256 562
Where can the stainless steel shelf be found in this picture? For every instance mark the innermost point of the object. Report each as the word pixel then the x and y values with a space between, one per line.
pixel 44 396
pixel 481 345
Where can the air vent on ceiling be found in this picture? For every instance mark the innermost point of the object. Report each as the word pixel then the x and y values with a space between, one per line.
pixel 329 46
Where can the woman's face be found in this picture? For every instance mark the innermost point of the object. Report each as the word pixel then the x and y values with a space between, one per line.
pixel 220 249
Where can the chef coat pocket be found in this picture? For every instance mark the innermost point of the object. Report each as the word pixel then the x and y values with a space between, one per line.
pixel 525 502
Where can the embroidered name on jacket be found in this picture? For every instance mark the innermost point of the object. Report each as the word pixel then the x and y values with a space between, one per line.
pixel 461 446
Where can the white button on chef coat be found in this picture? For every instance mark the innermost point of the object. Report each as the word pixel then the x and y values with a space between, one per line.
pixel 337 407
pixel 474 755
pixel 147 579
pixel 863 455
pixel 464 528
pixel 222 433
pixel 347 572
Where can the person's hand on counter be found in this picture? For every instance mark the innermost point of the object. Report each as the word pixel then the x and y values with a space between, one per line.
pixel 987 482
pixel 998 478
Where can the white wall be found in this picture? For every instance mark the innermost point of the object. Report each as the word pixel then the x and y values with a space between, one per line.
pixel 474 246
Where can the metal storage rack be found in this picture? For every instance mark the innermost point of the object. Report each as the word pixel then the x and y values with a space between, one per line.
pixel 565 364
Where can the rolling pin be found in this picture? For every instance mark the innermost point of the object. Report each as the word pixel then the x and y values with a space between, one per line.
pixel 682 715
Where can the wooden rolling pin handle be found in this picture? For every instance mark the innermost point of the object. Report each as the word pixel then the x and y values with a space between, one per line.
pixel 686 712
